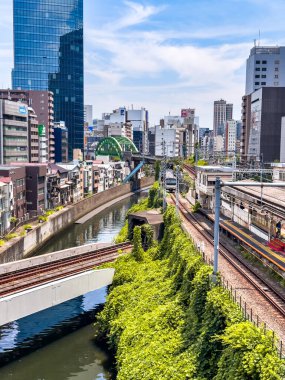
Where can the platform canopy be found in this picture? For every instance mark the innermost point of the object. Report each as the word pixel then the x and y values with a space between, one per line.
pixel 115 146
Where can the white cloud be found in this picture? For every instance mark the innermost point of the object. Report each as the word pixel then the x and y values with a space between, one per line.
pixel 193 76
pixel 136 13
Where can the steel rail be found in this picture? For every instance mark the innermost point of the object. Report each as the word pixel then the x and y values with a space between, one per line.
pixel 190 169
pixel 228 255
pixel 59 269
pixel 50 264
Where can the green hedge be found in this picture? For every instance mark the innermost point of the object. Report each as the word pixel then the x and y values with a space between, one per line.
pixel 165 319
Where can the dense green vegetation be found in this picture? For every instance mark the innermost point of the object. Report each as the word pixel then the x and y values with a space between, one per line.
pixel 191 160
pixel 165 320
pixel 154 200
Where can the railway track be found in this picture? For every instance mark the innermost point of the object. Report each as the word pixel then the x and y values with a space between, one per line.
pixel 24 279
pixel 276 299
pixel 190 169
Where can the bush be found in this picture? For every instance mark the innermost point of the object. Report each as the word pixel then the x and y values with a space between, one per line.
pixel 123 234
pixel 196 206
pixel 2 242
pixel 202 163
pixel 13 220
pixel 27 227
pixel 154 198
pixel 49 212
pixel 42 218
pixel 11 236
pixel 58 208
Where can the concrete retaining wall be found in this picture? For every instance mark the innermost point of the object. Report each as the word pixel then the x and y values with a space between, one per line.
pixel 26 245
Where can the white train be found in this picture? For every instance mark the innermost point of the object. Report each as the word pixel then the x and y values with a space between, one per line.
pixel 170 181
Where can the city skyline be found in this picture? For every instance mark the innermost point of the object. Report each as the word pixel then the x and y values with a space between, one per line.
pixel 188 64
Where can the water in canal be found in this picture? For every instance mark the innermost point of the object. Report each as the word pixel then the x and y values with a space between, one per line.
pixel 58 343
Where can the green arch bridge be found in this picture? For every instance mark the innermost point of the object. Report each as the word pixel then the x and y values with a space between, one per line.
pixel 115 146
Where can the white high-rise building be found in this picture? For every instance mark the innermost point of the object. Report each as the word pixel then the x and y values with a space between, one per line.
pixel 231 137
pixel 167 141
pixel 223 111
pixel 88 114
pixel 139 120
pixel 265 67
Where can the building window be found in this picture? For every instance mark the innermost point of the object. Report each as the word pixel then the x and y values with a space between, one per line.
pixel 276 69
pixel 256 83
pixel 257 69
pixel 276 83
pixel 264 62
pixel 263 83
pixel 276 76
pixel 257 76
pixel 264 69
pixel 263 76
pixel 257 62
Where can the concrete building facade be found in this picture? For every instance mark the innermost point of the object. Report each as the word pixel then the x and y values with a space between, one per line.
pixel 18 176
pixel 6 204
pixel 88 114
pixel 42 102
pixel 139 121
pixel 14 127
pixel 167 142
pixel 36 190
pixel 223 111
pixel 266 111
pixel 231 136
pixel 265 67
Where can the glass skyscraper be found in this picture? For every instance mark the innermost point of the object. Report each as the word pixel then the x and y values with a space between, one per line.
pixel 48 55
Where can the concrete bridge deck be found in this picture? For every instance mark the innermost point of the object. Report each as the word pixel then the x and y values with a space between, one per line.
pixel 27 302
pixel 34 284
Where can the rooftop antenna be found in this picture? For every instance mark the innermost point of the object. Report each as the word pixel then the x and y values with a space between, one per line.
pixel 254 42
pixel 259 37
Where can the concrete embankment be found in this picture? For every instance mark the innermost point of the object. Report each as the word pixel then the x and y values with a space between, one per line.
pixel 23 247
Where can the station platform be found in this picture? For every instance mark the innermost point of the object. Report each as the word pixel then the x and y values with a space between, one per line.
pixel 251 240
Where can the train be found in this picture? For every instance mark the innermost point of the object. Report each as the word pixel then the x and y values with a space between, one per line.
pixel 170 181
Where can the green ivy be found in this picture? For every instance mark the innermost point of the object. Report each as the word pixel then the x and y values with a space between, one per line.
pixel 166 320
pixel 137 250
pixel 249 353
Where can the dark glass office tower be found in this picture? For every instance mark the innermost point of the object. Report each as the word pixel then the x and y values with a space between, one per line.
pixel 48 55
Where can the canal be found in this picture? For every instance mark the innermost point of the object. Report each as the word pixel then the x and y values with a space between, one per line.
pixel 58 343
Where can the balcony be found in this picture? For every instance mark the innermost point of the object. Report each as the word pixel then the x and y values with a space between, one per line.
pixel 15 123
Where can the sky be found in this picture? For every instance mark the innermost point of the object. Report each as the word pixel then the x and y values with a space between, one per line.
pixel 165 55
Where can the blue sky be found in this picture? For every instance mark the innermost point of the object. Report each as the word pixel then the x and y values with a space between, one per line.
pixel 165 55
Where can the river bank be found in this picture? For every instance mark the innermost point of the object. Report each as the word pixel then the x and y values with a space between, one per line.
pixel 24 246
